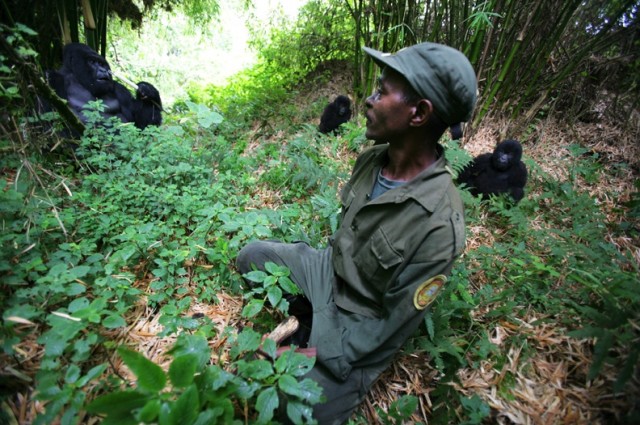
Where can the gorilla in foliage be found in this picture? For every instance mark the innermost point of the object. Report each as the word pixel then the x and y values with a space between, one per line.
pixel 499 172
pixel 86 76
pixel 335 114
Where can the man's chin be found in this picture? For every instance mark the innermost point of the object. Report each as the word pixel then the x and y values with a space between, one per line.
pixel 369 134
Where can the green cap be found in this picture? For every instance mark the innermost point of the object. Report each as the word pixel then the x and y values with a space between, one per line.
pixel 438 73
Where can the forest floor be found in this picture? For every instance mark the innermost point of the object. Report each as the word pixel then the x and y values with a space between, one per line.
pixel 550 387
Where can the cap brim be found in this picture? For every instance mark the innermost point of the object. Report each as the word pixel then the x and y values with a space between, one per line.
pixel 384 59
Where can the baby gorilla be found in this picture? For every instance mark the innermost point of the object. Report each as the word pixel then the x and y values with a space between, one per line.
pixel 335 114
pixel 499 172
pixel 86 76
pixel 147 108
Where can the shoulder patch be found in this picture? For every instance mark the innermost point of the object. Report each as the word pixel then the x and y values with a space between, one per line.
pixel 427 291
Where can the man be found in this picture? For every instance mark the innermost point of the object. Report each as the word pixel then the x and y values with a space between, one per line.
pixel 402 227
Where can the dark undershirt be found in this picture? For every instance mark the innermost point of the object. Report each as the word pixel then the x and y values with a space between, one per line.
pixel 382 184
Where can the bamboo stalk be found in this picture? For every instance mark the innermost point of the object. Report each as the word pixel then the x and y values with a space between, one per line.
pixel 89 22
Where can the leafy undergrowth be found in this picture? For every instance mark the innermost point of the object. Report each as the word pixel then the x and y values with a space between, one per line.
pixel 120 299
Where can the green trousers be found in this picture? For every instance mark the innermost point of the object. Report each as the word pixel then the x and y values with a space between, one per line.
pixel 312 271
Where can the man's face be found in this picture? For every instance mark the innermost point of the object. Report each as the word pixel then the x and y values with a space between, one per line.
pixel 388 114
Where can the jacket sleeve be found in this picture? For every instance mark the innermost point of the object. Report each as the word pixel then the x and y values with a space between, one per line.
pixel 361 340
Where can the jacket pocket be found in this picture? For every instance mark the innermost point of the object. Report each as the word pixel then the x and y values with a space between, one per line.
pixel 378 259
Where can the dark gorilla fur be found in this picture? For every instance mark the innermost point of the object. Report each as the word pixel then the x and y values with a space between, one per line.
pixel 147 106
pixel 85 76
pixel 499 172
pixel 335 114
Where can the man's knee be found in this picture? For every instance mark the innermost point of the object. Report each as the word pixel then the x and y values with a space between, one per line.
pixel 250 256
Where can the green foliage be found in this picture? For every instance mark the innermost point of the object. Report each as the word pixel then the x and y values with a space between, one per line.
pixel 289 53
pixel 458 158
pixel 166 206
pixel 321 33
pixel 399 411
pixel 475 408
pixel 273 285
pixel 158 216
pixel 179 52
pixel 565 270
pixel 202 393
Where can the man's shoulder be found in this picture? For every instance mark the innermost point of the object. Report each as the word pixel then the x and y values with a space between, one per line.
pixel 370 155
pixel 373 151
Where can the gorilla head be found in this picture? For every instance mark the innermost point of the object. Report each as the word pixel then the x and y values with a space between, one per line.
pixel 91 69
pixel 507 153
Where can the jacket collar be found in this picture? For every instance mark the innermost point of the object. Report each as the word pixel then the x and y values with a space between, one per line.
pixel 427 188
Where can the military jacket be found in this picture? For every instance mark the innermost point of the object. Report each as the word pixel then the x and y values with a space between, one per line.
pixel 382 293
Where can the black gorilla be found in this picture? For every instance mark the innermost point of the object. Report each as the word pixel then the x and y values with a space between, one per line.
pixel 499 172
pixel 147 106
pixel 86 76
pixel 335 114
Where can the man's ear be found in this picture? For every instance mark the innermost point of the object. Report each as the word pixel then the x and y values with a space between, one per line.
pixel 422 112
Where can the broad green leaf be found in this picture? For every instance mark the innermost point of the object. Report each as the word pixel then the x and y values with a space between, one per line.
pixel 266 403
pixel 150 376
pixel 307 389
pixel 75 289
pixel 248 340
pixel 54 345
pixel 209 416
pixel 78 304
pixel 117 403
pixel 293 363
pixel 246 390
pixel 196 345
pixel 274 294
pixel 93 373
pixel 255 370
pixel 252 308
pixel 312 391
pixel 113 321
pixel 150 411
pixel 296 411
pixel 24 311
pixel 182 370
pixel 274 269
pixel 288 286
pixel 186 408
pixel 164 417
pixel 79 272
pixel 269 346
pixel 257 276
pixel 288 384
pixel 72 375
pixel 216 378
pixel 119 420
pixel 405 406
